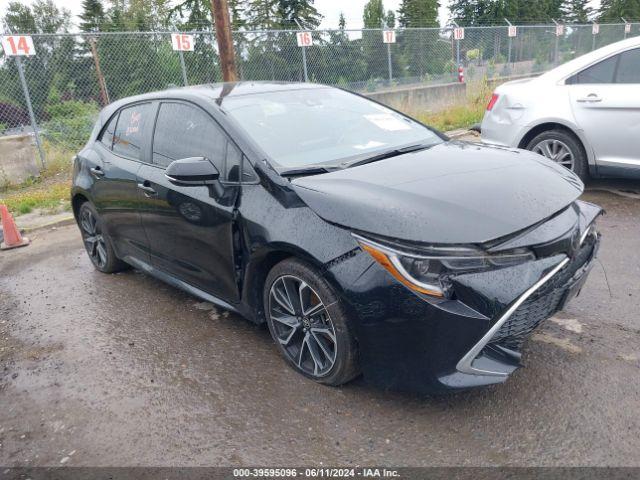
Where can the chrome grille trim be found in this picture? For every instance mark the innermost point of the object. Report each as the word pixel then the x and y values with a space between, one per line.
pixel 465 363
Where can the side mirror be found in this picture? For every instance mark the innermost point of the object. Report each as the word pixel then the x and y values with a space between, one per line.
pixel 192 171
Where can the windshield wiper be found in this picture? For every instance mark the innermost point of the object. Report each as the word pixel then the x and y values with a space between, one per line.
pixel 292 172
pixel 388 154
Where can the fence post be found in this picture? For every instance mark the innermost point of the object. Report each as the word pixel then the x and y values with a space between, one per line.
pixel 32 117
pixel 104 94
pixel 304 56
pixel 183 68
pixel 509 41
pixel 555 54
pixel 383 26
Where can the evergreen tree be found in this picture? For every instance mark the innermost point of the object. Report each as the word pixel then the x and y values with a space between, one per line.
pixel 263 14
pixel 342 22
pixel 463 12
pixel 92 15
pixel 576 11
pixel 390 19
pixel 612 10
pixel 373 14
pixel 419 13
pixel 302 12
pixel 19 18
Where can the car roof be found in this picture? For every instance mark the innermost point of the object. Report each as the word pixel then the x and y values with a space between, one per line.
pixel 569 68
pixel 218 91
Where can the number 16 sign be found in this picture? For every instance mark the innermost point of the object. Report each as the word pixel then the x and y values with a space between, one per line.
pixel 18 45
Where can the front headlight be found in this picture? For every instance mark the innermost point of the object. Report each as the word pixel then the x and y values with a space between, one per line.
pixel 427 273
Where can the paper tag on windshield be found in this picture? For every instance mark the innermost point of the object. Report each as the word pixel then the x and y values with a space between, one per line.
pixel 388 122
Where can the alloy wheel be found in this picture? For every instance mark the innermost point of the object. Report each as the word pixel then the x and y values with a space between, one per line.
pixel 93 239
pixel 303 326
pixel 557 151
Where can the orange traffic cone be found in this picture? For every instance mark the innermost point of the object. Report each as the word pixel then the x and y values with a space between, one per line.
pixel 12 237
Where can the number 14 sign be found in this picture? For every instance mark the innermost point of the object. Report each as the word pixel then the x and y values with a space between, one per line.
pixel 18 45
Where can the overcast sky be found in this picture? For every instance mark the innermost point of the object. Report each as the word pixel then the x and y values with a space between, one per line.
pixel 331 9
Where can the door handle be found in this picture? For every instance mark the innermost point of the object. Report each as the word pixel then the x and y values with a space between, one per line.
pixel 591 98
pixel 96 172
pixel 147 189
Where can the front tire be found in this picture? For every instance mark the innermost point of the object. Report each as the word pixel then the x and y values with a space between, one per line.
pixel 563 148
pixel 96 242
pixel 309 323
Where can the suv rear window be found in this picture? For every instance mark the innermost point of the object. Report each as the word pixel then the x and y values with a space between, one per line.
pixel 128 138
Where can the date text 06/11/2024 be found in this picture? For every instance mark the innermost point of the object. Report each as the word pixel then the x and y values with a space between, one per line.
pixel 315 472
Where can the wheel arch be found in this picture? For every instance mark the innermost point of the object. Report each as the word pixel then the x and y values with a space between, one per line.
pixel 259 266
pixel 77 199
pixel 545 126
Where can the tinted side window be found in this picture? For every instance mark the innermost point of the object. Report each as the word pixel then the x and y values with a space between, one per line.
pixel 184 131
pixel 629 67
pixel 128 138
pixel 602 72
pixel 107 134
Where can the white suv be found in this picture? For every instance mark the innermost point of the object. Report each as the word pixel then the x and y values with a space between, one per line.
pixel 584 114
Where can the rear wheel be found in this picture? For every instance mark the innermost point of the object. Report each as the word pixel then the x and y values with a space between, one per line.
pixel 309 324
pixel 97 242
pixel 563 148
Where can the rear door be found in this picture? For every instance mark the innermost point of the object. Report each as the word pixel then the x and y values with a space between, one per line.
pixel 190 229
pixel 122 147
pixel 605 98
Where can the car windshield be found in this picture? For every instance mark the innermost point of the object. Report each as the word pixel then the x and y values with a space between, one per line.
pixel 323 127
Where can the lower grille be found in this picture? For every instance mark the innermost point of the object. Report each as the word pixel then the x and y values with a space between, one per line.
pixel 542 304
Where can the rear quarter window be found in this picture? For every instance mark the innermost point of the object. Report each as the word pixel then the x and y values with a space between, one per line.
pixel 107 134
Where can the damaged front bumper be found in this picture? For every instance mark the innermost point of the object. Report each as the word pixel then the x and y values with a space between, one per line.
pixel 409 342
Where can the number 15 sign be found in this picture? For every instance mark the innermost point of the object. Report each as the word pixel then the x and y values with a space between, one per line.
pixel 182 42
pixel 18 45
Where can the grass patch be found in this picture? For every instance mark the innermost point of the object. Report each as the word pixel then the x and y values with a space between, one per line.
pixel 49 191
pixel 462 115
pixel 52 196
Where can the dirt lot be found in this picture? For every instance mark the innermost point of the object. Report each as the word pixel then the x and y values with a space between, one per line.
pixel 122 370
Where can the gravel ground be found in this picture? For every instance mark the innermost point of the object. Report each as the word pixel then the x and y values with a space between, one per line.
pixel 104 370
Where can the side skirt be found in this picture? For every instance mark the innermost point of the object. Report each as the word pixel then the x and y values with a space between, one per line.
pixel 171 280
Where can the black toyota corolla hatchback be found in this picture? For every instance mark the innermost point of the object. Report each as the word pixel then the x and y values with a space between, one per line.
pixel 367 241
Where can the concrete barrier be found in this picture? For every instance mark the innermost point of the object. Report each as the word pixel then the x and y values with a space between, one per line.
pixel 18 159
pixel 421 97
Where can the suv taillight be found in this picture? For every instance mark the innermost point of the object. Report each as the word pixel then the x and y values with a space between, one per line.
pixel 492 102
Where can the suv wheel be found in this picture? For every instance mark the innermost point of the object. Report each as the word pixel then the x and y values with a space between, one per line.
pixel 562 147
pixel 97 242
pixel 309 324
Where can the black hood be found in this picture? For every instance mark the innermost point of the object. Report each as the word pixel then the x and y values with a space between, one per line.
pixel 451 193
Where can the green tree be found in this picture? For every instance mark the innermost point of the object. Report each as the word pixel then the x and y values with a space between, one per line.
pixel 92 16
pixel 263 14
pixel 373 14
pixel 612 10
pixel 390 19
pixel 294 12
pixel 419 13
pixel 576 11
pixel 342 22
pixel 19 18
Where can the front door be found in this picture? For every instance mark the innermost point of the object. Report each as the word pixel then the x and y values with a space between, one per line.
pixel 605 99
pixel 190 229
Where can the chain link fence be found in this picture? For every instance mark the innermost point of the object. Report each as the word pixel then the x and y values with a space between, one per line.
pixel 72 76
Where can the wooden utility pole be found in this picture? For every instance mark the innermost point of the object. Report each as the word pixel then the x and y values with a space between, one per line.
pixel 104 95
pixel 220 12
